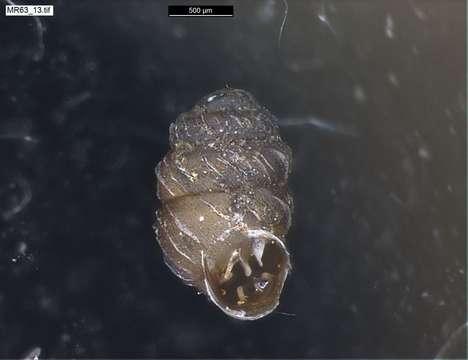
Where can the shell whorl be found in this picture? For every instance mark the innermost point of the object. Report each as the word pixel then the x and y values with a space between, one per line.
pixel 225 204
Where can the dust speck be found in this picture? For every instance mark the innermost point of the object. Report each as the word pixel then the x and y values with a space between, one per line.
pixel 424 153
pixel 389 26
pixel 392 79
pixel 359 94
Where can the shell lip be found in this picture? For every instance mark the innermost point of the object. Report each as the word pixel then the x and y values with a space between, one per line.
pixel 241 314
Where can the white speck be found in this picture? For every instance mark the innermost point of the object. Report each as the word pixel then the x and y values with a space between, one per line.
pixel 201 218
pixel 425 295
pixel 395 276
pixel 14 260
pixel 389 27
pixel 322 16
pixel 211 98
pixel 418 12
pixel 395 198
pixel 266 11
pixel 179 32
pixel 359 94
pixel 424 153
pixel 392 79
pixel 441 303
pixel 22 248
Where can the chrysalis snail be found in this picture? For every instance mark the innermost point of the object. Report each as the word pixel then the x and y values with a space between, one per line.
pixel 226 208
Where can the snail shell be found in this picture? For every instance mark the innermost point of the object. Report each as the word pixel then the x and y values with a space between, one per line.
pixel 225 203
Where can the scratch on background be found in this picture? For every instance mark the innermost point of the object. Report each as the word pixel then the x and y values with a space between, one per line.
pixel 280 35
pixel 40 29
pixel 324 125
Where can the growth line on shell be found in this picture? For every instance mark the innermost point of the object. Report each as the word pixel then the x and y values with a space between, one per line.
pixel 182 227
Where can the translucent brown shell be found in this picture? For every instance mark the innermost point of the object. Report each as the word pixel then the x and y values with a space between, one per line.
pixel 225 204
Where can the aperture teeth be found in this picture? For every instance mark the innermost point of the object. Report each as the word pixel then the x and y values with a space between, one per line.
pixel 245 265
pixel 241 295
pixel 230 265
pixel 258 246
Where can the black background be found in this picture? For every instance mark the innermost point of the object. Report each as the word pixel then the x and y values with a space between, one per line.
pixel 378 240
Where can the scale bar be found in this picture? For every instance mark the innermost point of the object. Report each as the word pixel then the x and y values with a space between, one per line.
pixel 200 11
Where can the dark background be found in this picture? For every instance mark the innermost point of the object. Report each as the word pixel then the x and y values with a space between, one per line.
pixel 371 95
